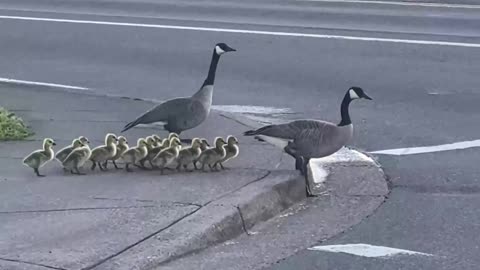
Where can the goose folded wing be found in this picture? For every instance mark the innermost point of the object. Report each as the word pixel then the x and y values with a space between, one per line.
pixel 290 130
pixel 316 140
pixel 164 111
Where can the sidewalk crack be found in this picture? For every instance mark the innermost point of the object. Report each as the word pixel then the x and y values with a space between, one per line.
pixel 31 263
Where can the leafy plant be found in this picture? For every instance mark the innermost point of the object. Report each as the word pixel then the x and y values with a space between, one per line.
pixel 12 127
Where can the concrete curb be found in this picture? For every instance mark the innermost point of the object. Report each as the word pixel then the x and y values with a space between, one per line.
pixel 217 221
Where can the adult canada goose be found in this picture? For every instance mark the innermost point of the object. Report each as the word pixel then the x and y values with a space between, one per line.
pixel 38 158
pixel 184 113
pixel 306 139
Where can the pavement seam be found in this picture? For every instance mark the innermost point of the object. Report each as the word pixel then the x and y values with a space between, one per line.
pixel 244 226
pixel 235 190
pixel 75 209
pixel 140 241
pixel 31 263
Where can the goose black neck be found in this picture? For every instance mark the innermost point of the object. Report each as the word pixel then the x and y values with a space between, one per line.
pixel 212 70
pixel 344 111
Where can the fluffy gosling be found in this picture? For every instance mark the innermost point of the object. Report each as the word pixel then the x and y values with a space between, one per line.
pixel 76 159
pixel 212 155
pixel 122 147
pixel 167 156
pixel 135 154
pixel 64 152
pixel 39 158
pixel 102 153
pixel 231 149
pixel 189 154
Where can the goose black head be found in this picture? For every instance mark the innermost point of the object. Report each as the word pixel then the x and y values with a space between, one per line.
pixel 221 48
pixel 356 92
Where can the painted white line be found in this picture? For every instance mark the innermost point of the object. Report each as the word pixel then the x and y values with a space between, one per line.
pixel 428 149
pixel 253 32
pixel 366 250
pixel 251 109
pixel 399 3
pixel 319 167
pixel 32 83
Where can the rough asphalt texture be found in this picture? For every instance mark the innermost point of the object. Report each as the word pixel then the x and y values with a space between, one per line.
pixel 118 220
pixel 424 94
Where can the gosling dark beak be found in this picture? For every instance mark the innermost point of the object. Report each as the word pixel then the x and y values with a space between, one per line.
pixel 366 97
pixel 54 144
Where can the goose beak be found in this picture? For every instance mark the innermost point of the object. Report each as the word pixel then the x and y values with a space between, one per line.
pixel 366 97
pixel 230 49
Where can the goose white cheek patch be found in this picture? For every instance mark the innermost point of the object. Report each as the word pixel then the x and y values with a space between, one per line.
pixel 219 50
pixel 353 94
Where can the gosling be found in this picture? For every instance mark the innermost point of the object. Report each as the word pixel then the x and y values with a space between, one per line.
pixel 122 147
pixel 167 156
pixel 190 154
pixel 64 152
pixel 76 159
pixel 212 155
pixel 135 154
pixel 102 153
pixel 39 158
pixel 203 147
pixel 151 144
pixel 231 149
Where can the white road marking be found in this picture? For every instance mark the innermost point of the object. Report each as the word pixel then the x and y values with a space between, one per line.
pixel 400 3
pixel 253 32
pixel 33 83
pixel 251 109
pixel 428 149
pixel 366 250
pixel 319 167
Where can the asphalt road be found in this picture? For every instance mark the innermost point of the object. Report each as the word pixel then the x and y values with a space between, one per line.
pixel 419 63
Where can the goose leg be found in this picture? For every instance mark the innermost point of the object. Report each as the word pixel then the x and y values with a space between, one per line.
pixel 38 173
pixel 115 164
pixel 298 160
pixel 305 174
pixel 101 167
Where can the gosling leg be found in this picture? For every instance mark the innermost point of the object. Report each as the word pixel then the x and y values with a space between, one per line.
pixel 101 167
pixel 94 164
pixel 38 173
pixel 127 168
pixel 115 164
pixel 185 166
pixel 195 165
pixel 105 164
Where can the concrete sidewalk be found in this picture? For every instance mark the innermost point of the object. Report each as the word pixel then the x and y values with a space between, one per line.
pixel 118 220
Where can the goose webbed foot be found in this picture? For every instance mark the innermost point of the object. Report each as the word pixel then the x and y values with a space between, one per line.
pixel 38 173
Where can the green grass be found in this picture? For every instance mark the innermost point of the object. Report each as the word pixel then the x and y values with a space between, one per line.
pixel 12 127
